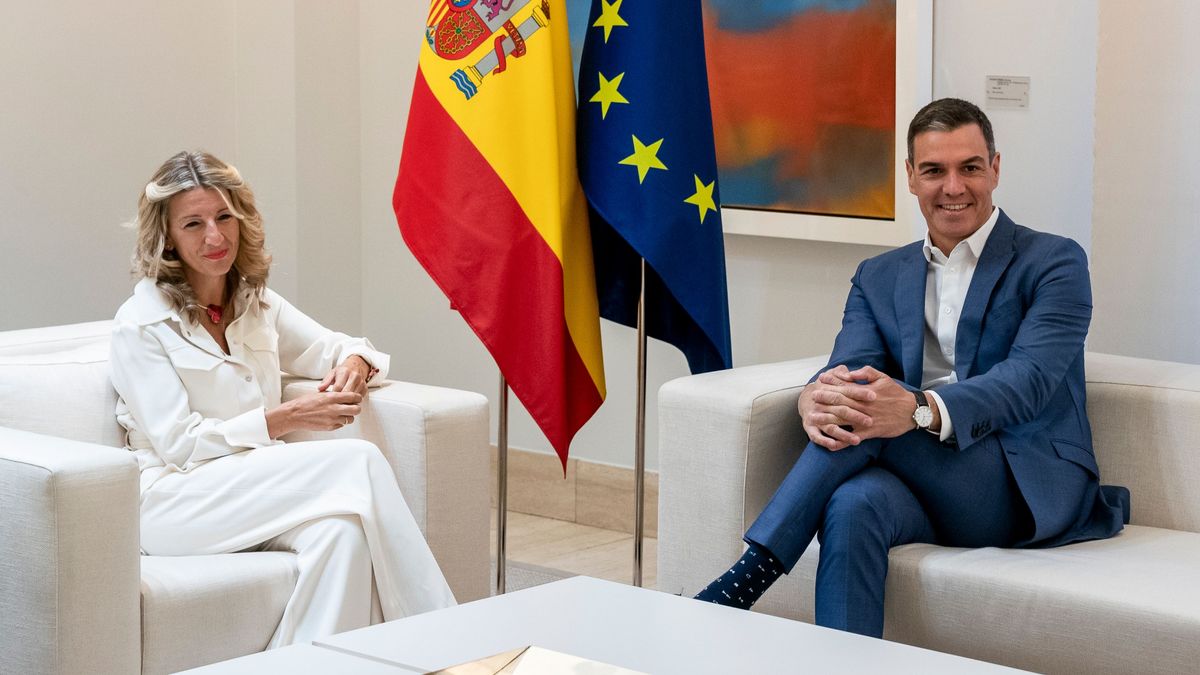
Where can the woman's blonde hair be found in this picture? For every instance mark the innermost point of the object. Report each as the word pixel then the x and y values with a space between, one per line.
pixel 151 257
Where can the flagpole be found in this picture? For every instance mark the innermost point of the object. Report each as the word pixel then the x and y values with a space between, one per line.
pixel 502 487
pixel 639 469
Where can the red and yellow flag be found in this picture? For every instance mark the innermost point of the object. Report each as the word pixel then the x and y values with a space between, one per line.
pixel 488 199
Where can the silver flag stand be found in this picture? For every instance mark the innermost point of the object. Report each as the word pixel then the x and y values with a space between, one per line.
pixel 502 487
pixel 639 461
pixel 639 490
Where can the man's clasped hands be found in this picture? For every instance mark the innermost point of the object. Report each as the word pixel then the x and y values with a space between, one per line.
pixel 844 407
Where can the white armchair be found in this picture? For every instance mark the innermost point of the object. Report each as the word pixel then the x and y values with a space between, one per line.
pixel 76 596
pixel 1129 604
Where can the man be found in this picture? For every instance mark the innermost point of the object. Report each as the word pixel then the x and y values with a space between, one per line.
pixel 952 410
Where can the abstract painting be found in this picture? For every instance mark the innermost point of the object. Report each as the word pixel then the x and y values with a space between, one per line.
pixel 804 104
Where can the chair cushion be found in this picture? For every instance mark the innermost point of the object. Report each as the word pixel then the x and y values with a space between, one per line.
pixel 1145 418
pixel 1121 605
pixel 53 339
pixel 55 381
pixel 203 609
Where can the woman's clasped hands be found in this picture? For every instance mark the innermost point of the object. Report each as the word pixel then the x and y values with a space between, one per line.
pixel 325 410
pixel 337 401
pixel 350 375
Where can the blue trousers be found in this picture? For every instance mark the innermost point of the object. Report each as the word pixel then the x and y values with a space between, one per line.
pixel 865 499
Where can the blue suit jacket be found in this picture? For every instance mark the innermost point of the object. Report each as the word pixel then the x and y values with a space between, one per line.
pixel 1019 360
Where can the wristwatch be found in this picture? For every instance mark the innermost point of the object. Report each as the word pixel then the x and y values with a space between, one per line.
pixel 923 415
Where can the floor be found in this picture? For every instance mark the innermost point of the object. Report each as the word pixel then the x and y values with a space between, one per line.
pixel 576 549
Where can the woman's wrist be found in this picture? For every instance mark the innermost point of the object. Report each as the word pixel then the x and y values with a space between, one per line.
pixel 365 368
pixel 279 420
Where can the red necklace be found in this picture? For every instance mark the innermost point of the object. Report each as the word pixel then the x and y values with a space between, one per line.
pixel 215 312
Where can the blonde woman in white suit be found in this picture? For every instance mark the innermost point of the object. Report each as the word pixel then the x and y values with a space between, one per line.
pixel 196 358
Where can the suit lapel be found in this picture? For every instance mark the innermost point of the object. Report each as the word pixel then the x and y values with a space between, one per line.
pixel 910 314
pixel 997 254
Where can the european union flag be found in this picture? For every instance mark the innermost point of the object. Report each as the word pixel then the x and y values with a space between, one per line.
pixel 648 167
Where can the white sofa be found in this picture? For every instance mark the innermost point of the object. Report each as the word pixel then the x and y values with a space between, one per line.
pixel 1130 604
pixel 76 596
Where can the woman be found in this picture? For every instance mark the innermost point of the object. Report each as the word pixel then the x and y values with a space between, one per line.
pixel 196 359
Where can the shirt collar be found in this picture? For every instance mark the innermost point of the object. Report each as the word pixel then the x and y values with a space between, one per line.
pixel 150 304
pixel 975 243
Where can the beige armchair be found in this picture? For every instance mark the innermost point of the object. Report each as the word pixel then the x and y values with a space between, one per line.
pixel 76 596
pixel 1130 604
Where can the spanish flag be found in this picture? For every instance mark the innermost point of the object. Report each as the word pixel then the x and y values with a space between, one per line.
pixel 489 201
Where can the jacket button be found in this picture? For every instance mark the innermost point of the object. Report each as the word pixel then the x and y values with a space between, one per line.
pixel 248 378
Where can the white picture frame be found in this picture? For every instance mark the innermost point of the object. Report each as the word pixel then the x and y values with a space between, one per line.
pixel 914 88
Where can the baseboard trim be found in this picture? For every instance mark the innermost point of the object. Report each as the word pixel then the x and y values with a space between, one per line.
pixel 591 493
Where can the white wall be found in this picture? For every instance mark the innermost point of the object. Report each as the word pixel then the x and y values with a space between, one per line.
pixel 92 102
pixel 97 95
pixel 1147 225
pixel 328 141
pixel 1045 151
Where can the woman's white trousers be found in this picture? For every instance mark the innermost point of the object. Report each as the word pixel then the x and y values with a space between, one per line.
pixel 334 503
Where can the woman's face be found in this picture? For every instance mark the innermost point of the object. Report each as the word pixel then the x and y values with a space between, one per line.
pixel 204 233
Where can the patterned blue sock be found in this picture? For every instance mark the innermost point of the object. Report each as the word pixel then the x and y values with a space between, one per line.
pixel 746 581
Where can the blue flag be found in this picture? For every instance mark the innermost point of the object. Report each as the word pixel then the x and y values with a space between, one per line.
pixel 649 170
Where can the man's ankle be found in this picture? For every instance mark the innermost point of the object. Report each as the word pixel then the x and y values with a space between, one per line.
pixel 746 581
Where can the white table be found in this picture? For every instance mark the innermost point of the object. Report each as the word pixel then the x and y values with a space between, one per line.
pixel 303 659
pixel 638 629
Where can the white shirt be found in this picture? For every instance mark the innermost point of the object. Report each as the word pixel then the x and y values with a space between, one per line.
pixel 946 283
pixel 183 401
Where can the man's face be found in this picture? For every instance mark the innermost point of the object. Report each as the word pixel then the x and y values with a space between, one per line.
pixel 952 178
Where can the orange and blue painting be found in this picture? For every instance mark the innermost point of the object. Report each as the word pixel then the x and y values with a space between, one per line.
pixel 803 100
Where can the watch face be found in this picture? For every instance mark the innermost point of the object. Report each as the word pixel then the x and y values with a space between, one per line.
pixel 923 416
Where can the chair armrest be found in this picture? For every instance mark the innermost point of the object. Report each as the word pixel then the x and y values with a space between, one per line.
pixel 436 440
pixel 726 440
pixel 69 568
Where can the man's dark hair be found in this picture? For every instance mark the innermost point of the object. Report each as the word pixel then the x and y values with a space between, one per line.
pixel 948 114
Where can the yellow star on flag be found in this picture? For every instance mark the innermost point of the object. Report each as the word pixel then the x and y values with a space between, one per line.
pixel 703 198
pixel 610 17
pixel 608 93
pixel 644 157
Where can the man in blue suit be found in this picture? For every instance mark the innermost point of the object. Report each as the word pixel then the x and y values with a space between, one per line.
pixel 952 410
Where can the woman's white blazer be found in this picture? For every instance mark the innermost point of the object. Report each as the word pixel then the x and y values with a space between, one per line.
pixel 183 401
